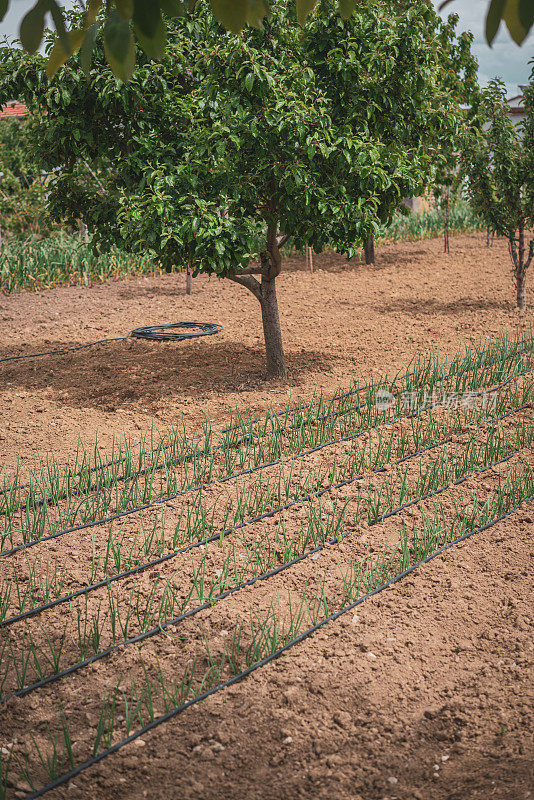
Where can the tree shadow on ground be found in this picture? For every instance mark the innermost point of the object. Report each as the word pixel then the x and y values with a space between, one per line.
pixel 406 305
pixel 135 374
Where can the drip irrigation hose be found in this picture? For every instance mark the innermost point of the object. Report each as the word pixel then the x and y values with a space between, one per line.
pixel 154 332
pixel 62 779
pixel 273 415
pixel 208 540
pixel 250 470
pixel 228 592
pixel 175 332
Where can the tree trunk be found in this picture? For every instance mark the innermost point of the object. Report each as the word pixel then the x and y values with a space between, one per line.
pixel 369 248
pixel 188 281
pixel 521 288
pixel 447 224
pixel 272 331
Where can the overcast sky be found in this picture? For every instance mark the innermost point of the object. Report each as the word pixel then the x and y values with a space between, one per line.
pixel 505 59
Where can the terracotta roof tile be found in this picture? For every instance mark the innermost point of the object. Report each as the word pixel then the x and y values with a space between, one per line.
pixel 13 111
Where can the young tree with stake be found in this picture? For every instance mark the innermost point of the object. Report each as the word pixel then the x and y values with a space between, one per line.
pixel 498 160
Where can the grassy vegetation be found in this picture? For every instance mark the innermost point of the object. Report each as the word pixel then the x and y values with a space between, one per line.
pixel 243 505
pixel 44 263
pixel 427 224
pixel 39 264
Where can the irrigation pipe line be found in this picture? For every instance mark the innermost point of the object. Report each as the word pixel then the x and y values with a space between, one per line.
pixel 250 470
pixel 153 332
pixel 60 781
pixel 233 590
pixel 272 512
pixel 188 457
pixel 276 414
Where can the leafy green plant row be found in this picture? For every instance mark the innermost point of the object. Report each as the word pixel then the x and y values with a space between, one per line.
pixel 159 697
pixel 430 223
pixel 171 469
pixel 126 618
pixel 44 263
pixel 200 521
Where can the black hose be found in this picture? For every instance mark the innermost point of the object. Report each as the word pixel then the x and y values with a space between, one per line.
pixel 171 332
pixel 194 329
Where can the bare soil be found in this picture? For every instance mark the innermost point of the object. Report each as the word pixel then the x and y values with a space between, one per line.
pixel 345 321
pixel 424 691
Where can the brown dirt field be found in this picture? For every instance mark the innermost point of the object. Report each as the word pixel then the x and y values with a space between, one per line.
pixel 344 322
pixel 423 693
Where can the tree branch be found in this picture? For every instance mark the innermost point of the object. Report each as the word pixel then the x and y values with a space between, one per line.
pixel 250 271
pixel 530 254
pixel 281 239
pixel 249 282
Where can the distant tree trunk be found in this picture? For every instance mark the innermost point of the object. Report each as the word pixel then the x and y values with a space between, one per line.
pixel 521 260
pixel 369 249
pixel 446 247
pixel 265 292
pixel 188 281
pixel 309 259
pixel 521 292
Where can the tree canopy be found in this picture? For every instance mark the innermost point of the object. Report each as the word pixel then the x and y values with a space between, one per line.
pixel 125 22
pixel 215 156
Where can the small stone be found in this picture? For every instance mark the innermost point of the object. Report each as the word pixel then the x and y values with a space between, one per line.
pixel 140 742
pixel 436 766
pixel 288 740
pixel 355 619
pixel 393 780
pixel 343 719
pixel 445 758
pixel 370 655
pixel 217 747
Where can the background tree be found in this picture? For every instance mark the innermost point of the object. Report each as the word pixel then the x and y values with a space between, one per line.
pixel 212 158
pixel 498 160
pixel 125 22
pixel 22 185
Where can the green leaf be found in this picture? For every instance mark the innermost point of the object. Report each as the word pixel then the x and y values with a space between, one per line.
pixel 32 27
pixel 119 46
pixel 155 46
pixel 173 8
pixel 346 8
pixel 58 54
pixel 125 8
pixel 4 5
pixel 249 82
pixel 59 22
pixel 493 19
pixel 256 12
pixel 517 30
pixel 526 13
pixel 86 51
pixel 231 13
pixel 147 17
pixel 304 8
